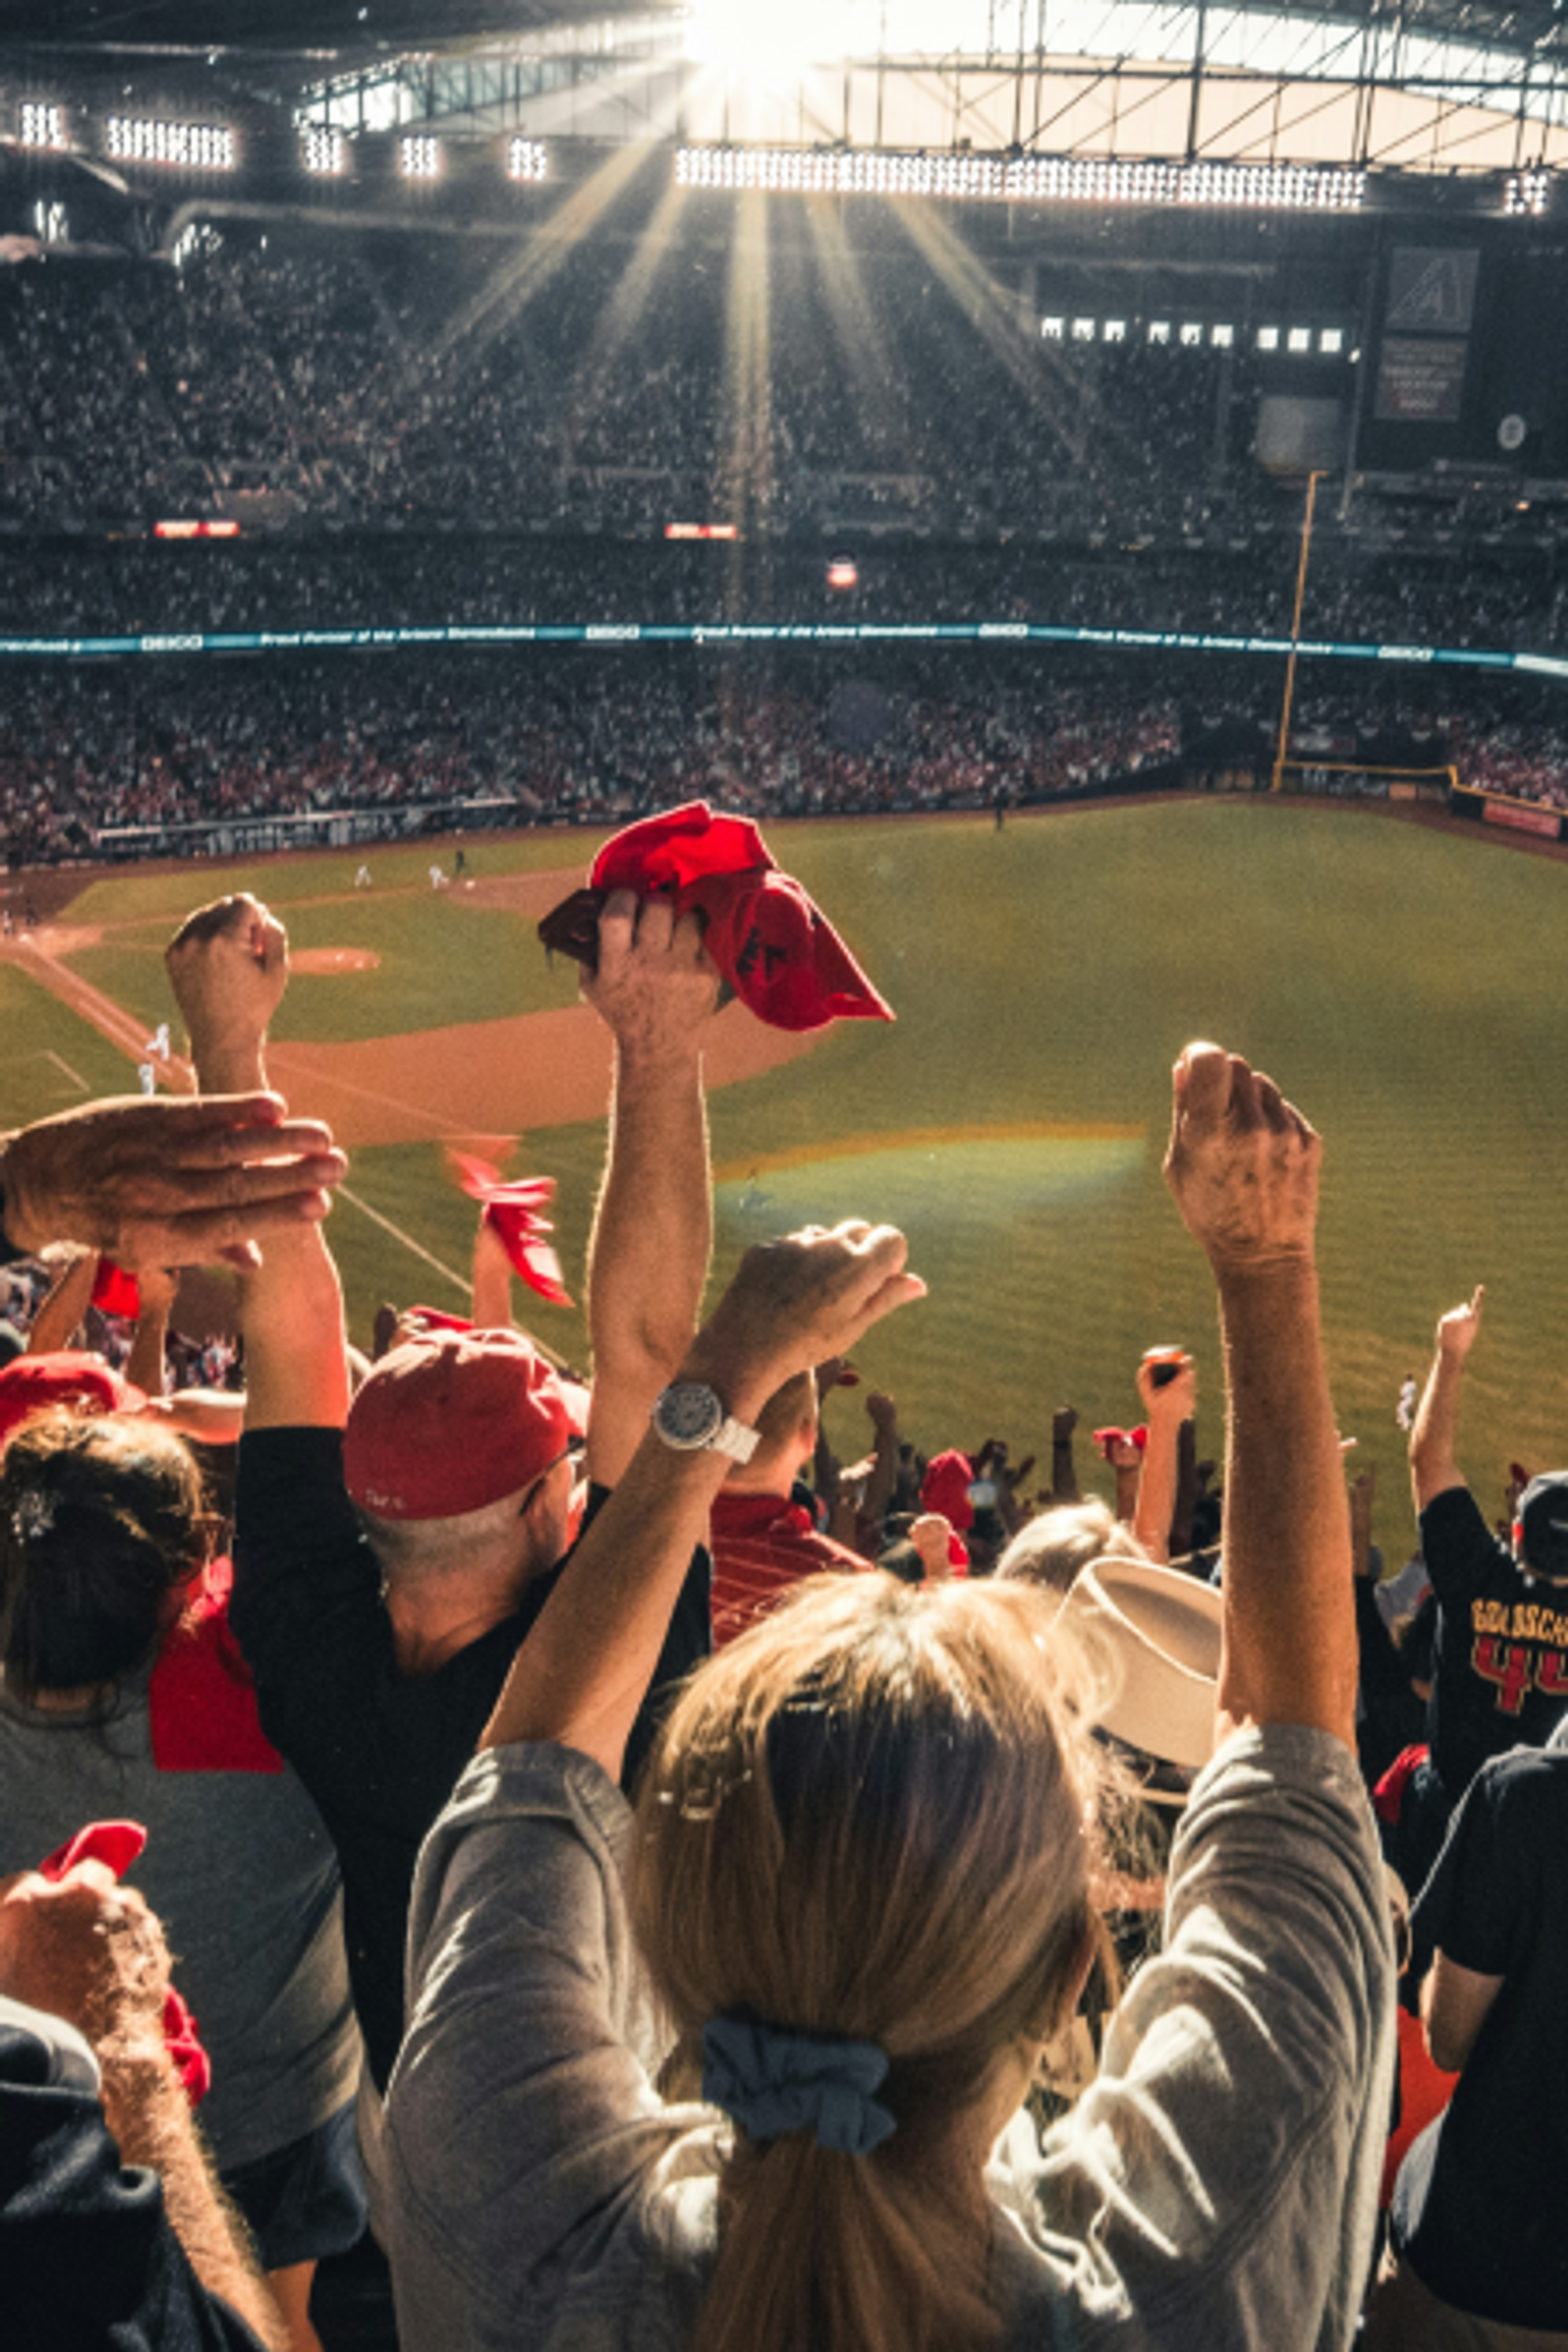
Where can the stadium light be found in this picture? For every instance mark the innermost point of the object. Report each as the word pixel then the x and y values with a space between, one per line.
pixel 527 159
pixel 324 154
pixel 179 146
pixel 41 124
pixel 419 155
pixel 1527 192
pixel 1020 178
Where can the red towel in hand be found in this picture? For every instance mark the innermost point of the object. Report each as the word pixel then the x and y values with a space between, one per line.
pixel 116 1291
pixel 117 1844
pixel 515 1212
pixel 1105 1439
pixel 201 1700
pixel 778 951
pixel 1388 1796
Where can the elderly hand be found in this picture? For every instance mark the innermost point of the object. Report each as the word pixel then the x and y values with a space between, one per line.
pixel 88 1950
pixel 165 1181
pixel 227 964
pixel 656 985
pixel 1242 1165
pixel 795 1302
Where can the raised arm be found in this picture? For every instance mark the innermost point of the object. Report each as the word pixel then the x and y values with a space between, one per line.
pixel 64 1307
pixel 1242 1166
pixel 144 1366
pixel 583 1670
pixel 492 1278
pixel 656 991
pixel 229 965
pixel 1433 1467
pixel 1167 1403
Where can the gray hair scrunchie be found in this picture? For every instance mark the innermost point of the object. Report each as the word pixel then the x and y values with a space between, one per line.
pixel 772 2080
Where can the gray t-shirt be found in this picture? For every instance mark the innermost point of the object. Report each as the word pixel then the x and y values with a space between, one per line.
pixel 1215 2187
pixel 243 1877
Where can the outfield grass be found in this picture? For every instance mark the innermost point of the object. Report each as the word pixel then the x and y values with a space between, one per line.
pixel 1406 987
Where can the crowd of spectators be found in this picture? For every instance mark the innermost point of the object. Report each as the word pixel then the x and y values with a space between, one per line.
pixel 787 385
pixel 56 588
pixel 1045 1834
pixel 183 756
pixel 393 382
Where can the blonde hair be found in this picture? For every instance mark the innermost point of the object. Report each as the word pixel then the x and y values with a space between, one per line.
pixel 870 1817
pixel 1053 1550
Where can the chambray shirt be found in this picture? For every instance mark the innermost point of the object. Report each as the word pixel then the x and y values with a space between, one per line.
pixel 1215 2187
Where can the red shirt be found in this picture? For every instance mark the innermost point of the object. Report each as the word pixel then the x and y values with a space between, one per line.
pixel 761 1545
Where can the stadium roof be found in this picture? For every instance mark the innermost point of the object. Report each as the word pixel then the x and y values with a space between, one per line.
pixel 1433 86
pixel 360 30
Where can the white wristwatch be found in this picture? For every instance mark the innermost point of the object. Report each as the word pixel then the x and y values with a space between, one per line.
pixel 690 1416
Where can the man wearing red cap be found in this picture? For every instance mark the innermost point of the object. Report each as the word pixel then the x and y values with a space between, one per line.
pixel 763 1540
pixel 391 1557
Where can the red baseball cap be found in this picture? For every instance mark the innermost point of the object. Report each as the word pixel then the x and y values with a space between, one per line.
pixel 449 1421
pixel 71 1376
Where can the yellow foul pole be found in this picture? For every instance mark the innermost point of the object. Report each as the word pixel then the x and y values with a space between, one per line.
pixel 1280 755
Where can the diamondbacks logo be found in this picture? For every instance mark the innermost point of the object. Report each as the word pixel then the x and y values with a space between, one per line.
pixel 1432 290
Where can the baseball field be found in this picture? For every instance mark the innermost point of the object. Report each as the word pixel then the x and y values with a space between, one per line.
pixel 1405 985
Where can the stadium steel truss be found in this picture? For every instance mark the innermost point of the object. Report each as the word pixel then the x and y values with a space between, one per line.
pixel 1455 88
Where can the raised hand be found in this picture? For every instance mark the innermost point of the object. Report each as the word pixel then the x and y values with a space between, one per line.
pixel 88 1950
pixel 1242 1164
pixel 1174 1399
pixel 168 1181
pixel 227 964
pixel 656 985
pixel 795 1302
pixel 1457 1328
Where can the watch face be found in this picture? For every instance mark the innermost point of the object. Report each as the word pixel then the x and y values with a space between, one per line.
pixel 689 1414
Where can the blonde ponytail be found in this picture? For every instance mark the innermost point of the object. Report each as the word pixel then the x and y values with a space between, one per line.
pixel 867 1821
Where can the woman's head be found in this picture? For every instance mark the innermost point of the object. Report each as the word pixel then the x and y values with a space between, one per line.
pixel 102 1523
pixel 871 1818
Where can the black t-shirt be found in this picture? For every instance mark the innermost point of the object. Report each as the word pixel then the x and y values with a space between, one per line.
pixel 1500 1664
pixel 379 1750
pixel 1479 2202
pixel 89 2258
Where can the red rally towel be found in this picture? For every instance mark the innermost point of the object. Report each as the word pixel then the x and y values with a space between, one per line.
pixel 514 1211
pixel 201 1700
pixel 1388 1797
pixel 116 1291
pixel 776 949
pixel 117 1844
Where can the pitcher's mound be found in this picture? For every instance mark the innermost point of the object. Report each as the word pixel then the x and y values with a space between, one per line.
pixel 334 960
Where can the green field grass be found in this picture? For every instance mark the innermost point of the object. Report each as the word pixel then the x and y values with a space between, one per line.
pixel 1406 987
